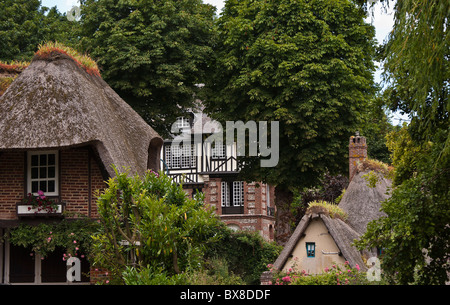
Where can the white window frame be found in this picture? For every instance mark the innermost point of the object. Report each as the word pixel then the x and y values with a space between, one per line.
pixel 183 122
pixel 234 198
pixel 238 193
pixel 29 167
pixel 180 156
pixel 225 190
pixel 219 151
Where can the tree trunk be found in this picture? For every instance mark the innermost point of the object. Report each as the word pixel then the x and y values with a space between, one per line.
pixel 175 262
pixel 283 217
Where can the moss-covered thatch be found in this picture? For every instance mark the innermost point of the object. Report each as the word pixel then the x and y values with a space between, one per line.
pixel 56 103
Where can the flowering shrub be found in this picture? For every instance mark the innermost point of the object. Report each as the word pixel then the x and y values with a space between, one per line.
pixel 40 203
pixel 336 275
pixel 74 236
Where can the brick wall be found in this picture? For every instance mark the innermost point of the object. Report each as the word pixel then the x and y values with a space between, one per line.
pixel 75 166
pixel 73 179
pixel 255 217
pixel 12 168
pixel 357 150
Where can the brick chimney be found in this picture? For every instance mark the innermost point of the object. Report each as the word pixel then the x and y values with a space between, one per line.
pixel 357 151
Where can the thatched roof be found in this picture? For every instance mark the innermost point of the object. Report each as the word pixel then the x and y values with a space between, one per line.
pixel 342 234
pixel 54 103
pixel 362 203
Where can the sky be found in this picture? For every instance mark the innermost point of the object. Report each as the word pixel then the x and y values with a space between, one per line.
pixel 382 21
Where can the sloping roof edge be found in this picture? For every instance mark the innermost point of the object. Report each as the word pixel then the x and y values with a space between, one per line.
pixel 342 234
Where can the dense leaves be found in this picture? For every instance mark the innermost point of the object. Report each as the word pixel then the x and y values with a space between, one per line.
pixel 306 64
pixel 24 24
pixel 414 235
pixel 152 53
pixel 150 221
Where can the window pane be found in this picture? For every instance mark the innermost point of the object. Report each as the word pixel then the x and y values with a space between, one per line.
pixel 35 160
pixel 51 186
pixel 43 186
pixel 42 160
pixel 34 172
pixel 43 172
pixel 51 172
pixel 34 186
pixel 51 159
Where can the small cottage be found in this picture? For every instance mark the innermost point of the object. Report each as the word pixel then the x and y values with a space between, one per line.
pixel 61 130
pixel 323 238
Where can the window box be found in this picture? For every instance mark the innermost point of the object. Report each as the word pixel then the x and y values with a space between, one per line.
pixel 24 209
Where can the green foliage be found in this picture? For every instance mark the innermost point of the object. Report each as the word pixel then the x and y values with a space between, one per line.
pixel 151 276
pixel 417 67
pixel 24 24
pixel 306 64
pixel 214 271
pixel 149 221
pixel 152 53
pixel 414 235
pixel 336 275
pixel 72 235
pixel 375 127
pixel 330 209
pixel 246 253
pixel 371 178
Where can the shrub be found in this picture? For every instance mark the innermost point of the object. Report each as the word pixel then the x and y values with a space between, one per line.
pixel 336 275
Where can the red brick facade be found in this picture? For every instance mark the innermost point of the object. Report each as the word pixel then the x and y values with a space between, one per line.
pixel 257 216
pixel 357 150
pixel 79 178
pixel 12 181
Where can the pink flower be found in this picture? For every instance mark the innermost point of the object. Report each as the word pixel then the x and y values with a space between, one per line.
pixel 286 278
pixel 357 267
pixel 76 248
pixel 346 263
pixel 49 239
pixel 74 241
pixel 326 269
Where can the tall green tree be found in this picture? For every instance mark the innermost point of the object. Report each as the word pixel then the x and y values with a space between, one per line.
pixel 152 53
pixel 414 234
pixel 24 24
pixel 306 64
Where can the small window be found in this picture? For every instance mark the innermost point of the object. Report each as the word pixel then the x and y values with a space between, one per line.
pixel 180 156
pixel 218 150
pixel 182 123
pixel 311 249
pixel 43 172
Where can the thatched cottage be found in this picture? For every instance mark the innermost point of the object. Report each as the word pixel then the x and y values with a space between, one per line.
pixel 322 239
pixel 61 130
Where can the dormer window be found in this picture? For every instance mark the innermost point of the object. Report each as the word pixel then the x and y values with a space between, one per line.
pixel 182 123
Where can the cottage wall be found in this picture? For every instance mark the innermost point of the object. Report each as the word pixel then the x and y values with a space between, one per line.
pixel 79 178
pixel 326 250
pixel 12 168
pixel 255 217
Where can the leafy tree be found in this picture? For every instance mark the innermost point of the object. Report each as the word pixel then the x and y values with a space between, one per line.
pixel 153 53
pixel 414 235
pixel 306 64
pixel 148 221
pixel 24 24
